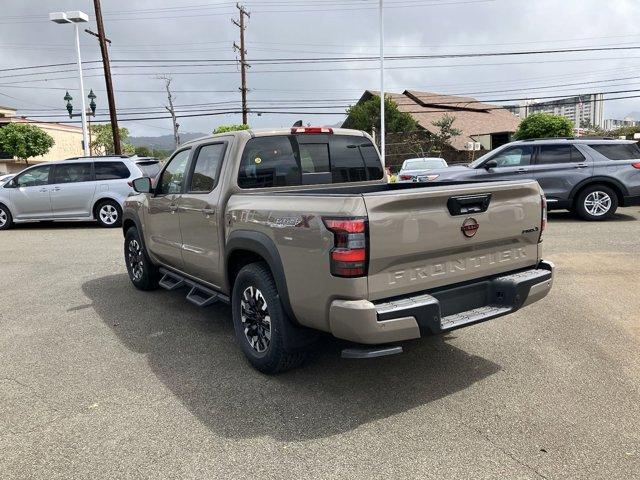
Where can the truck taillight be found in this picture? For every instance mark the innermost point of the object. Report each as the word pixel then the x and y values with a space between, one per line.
pixel 543 220
pixel 295 130
pixel 348 257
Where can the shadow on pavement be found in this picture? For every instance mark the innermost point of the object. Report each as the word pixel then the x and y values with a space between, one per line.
pixel 569 217
pixel 51 225
pixel 193 352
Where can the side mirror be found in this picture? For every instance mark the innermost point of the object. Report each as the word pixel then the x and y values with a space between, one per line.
pixel 11 183
pixel 490 164
pixel 142 185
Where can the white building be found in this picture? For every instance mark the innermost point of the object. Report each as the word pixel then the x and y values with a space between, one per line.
pixel 582 110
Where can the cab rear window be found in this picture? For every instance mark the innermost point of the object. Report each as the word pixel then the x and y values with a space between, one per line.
pixel 289 160
pixel 620 151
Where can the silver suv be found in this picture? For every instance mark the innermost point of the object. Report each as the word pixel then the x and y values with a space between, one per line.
pixel 75 189
pixel 588 176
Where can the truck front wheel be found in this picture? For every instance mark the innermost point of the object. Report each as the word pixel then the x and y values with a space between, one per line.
pixel 261 326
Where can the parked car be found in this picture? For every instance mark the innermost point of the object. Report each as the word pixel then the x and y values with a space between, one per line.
pixel 299 230
pixel 418 169
pixel 75 189
pixel 590 177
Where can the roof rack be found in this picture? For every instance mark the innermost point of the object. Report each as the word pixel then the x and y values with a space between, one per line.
pixel 99 157
pixel 586 137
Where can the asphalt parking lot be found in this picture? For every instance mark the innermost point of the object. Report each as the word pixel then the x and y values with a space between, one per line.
pixel 98 380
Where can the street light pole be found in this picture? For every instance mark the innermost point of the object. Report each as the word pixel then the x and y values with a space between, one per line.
pixel 382 123
pixel 85 136
pixel 76 17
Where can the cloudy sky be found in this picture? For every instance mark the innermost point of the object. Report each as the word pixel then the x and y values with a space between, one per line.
pixel 191 40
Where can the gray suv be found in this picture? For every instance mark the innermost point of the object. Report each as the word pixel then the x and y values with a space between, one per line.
pixel 74 189
pixel 590 177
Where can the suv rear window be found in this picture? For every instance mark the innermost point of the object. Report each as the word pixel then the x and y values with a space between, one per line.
pixel 618 151
pixel 288 160
pixel 111 170
pixel 554 154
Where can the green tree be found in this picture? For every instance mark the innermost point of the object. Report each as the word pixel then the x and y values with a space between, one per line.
pixel 24 141
pixel 366 116
pixel 143 151
pixel 102 140
pixel 446 131
pixel 231 128
pixel 544 125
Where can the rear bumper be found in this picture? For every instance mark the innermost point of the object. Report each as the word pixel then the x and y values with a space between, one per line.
pixel 441 310
pixel 631 201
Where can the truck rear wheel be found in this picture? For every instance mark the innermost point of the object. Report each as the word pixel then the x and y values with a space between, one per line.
pixel 261 326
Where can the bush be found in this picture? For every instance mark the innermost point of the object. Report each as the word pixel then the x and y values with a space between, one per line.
pixel 544 125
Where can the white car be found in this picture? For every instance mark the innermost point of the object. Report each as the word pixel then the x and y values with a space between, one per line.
pixel 6 178
pixel 89 188
pixel 417 169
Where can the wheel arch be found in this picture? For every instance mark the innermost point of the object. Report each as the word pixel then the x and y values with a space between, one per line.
pixel 244 247
pixel 619 189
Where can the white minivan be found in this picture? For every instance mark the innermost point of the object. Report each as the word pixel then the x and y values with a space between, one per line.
pixel 84 188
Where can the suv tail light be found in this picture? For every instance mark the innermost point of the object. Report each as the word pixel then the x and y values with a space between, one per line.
pixel 636 165
pixel 406 177
pixel 348 257
pixel 543 220
pixel 295 130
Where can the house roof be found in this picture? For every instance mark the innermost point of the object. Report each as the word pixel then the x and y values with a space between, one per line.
pixel 472 117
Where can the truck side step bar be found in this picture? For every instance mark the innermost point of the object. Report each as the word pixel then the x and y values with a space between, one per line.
pixel 371 352
pixel 199 295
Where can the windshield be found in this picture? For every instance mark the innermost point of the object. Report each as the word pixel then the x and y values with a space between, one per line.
pixel 424 164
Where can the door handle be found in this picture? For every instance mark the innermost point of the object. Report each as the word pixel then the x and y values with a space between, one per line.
pixel 522 170
pixel 208 211
pixel 42 190
pixel 173 208
pixel 581 165
pixel 56 189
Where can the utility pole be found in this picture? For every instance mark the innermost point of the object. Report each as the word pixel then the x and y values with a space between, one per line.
pixel 117 145
pixel 171 110
pixel 243 64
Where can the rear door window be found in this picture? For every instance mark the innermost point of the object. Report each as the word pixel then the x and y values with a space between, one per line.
pixel 111 170
pixel 72 173
pixel 206 168
pixel 620 151
pixel 558 154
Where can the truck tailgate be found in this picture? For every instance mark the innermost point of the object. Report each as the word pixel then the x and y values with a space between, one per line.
pixel 417 243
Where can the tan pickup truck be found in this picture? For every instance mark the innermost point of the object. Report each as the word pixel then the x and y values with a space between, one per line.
pixel 299 230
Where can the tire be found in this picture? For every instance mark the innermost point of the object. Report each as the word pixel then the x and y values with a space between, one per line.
pixel 596 203
pixel 142 272
pixel 108 213
pixel 261 325
pixel 6 220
